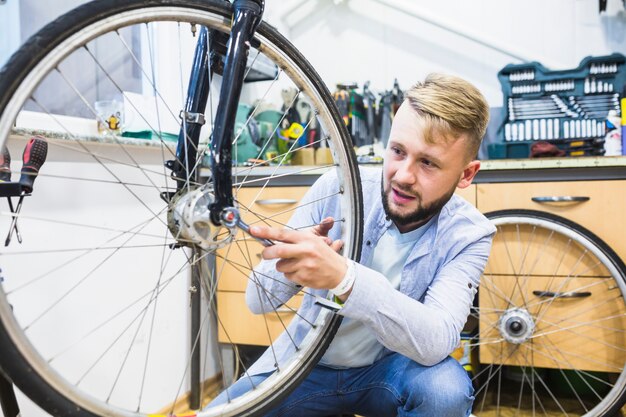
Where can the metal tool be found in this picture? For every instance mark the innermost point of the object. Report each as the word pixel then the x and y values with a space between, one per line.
pixel 5 176
pixel 5 165
pixel 230 218
pixel 591 99
pixel 34 156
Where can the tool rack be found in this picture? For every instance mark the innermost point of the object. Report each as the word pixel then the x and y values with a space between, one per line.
pixel 567 107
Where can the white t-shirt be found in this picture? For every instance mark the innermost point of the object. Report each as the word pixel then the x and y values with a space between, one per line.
pixel 355 345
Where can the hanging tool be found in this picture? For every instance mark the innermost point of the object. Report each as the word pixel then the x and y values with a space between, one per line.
pixel 34 156
pixel 5 176
pixel 5 165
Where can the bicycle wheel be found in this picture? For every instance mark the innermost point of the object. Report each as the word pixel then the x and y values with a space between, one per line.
pixel 95 301
pixel 551 320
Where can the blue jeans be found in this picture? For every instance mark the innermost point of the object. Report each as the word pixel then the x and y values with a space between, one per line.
pixel 392 386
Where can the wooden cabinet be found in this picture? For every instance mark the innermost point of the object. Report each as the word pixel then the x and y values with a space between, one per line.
pixel 598 205
pixel 272 206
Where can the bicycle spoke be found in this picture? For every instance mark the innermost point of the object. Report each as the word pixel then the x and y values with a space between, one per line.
pixel 164 264
pixel 266 179
pixel 210 293
pixel 265 184
pixel 539 304
pixel 117 141
pixel 494 290
pixel 80 282
pixel 81 225
pixel 563 284
pixel 587 323
pixel 251 276
pixel 265 145
pixel 111 318
pixel 264 219
pixel 85 150
pixel 566 356
pixel 140 314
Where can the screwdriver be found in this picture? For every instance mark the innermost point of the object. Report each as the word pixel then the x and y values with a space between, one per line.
pixel 5 176
pixel 34 156
pixel 5 165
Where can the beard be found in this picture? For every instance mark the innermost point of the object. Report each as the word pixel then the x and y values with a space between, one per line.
pixel 421 214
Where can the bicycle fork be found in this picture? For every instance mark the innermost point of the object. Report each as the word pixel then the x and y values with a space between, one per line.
pixel 215 209
pixel 221 211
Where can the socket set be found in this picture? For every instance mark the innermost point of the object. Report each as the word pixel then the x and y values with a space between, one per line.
pixel 566 107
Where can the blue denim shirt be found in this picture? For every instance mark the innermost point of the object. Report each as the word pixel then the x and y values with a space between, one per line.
pixel 423 319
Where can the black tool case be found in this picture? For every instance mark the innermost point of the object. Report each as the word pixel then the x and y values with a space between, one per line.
pixel 560 107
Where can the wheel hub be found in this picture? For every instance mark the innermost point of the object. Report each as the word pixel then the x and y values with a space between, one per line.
pixel 516 325
pixel 189 221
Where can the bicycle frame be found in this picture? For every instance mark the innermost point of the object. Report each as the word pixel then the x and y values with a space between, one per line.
pixel 247 15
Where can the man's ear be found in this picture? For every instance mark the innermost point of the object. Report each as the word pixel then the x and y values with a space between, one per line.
pixel 469 172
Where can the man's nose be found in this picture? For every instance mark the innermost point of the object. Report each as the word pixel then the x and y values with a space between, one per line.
pixel 406 173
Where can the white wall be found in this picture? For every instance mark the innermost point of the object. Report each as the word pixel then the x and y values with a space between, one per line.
pixel 379 40
pixel 10 24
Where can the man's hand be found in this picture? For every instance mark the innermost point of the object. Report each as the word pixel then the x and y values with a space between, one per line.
pixel 322 230
pixel 305 258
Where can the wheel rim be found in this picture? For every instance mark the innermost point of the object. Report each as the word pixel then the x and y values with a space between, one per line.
pixel 119 236
pixel 550 322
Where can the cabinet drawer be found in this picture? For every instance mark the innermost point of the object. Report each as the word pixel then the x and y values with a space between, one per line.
pixel 571 333
pixel 239 325
pixel 602 213
pixel 233 274
pixel 270 205
pixel 521 250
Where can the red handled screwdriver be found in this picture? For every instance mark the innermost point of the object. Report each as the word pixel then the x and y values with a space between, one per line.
pixel 34 156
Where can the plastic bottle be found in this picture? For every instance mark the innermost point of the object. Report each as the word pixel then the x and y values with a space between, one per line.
pixel 613 136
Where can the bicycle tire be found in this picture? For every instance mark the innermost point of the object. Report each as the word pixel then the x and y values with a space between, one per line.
pixel 550 316
pixel 23 357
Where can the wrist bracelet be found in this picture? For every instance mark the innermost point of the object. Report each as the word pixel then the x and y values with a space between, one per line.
pixel 347 282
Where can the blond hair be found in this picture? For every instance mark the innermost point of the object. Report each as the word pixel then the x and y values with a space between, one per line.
pixel 450 107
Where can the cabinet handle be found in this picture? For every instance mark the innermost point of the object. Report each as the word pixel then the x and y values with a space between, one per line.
pixel 569 294
pixel 276 201
pixel 560 199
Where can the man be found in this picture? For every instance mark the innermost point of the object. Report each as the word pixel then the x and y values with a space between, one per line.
pixel 406 301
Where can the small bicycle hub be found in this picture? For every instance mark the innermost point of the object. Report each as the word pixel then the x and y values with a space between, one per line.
pixel 189 221
pixel 516 325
